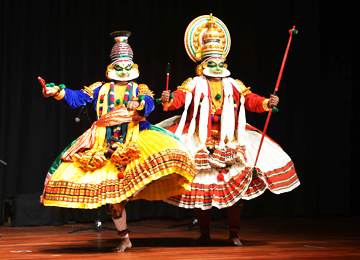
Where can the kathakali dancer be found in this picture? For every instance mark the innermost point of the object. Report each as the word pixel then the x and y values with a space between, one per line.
pixel 213 127
pixel 122 156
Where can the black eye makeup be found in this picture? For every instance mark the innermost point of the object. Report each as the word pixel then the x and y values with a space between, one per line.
pixel 117 67
pixel 211 64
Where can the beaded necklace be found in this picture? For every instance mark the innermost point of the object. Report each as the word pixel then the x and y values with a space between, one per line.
pixel 111 98
pixel 115 134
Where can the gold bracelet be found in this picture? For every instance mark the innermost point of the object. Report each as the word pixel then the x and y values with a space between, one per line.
pixel 265 104
pixel 141 105
pixel 60 95
pixel 58 90
pixel 169 103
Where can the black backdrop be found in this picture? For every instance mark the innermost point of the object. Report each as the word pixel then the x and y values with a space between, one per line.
pixel 68 42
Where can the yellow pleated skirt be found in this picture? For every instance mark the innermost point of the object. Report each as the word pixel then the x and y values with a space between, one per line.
pixel 165 168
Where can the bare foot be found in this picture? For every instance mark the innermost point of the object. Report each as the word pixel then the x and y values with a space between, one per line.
pixel 125 243
pixel 203 240
pixel 234 241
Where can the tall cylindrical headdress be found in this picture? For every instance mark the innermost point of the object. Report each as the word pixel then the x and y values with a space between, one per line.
pixel 122 67
pixel 207 37
pixel 121 48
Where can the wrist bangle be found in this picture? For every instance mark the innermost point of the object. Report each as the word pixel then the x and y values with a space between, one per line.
pixel 60 95
pixel 265 104
pixel 58 91
pixel 141 105
pixel 169 103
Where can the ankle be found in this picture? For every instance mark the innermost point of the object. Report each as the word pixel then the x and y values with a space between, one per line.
pixel 205 232
pixel 123 234
pixel 233 234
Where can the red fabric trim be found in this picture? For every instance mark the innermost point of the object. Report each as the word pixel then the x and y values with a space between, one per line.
pixel 287 174
pixel 256 185
pixel 221 193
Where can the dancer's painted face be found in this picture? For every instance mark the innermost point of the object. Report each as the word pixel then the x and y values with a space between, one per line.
pixel 215 67
pixel 123 69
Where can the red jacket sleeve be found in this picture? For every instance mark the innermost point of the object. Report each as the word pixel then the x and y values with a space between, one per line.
pixel 256 103
pixel 178 101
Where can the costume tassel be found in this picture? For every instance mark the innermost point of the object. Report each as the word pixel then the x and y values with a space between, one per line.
pixel 198 91
pixel 204 115
pixel 180 128
pixel 241 122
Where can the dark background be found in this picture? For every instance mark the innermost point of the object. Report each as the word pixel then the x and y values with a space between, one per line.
pixel 68 42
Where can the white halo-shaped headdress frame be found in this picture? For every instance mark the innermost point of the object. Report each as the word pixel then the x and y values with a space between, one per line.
pixel 194 35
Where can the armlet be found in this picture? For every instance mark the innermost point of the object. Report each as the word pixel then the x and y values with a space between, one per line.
pixel 90 90
pixel 243 89
pixel 144 90
pixel 184 85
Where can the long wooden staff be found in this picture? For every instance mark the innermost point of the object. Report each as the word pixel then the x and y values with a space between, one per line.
pixel 165 105
pixel 291 31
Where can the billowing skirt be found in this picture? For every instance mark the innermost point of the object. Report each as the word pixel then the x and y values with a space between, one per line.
pixel 165 168
pixel 223 187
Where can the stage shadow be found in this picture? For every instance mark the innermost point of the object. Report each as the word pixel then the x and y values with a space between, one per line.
pixel 106 246
pixel 185 242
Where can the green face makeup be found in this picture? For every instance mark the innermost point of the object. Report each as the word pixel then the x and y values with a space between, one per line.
pixel 123 70
pixel 216 68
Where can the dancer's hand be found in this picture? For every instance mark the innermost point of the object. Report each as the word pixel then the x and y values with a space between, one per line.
pixel 132 105
pixel 165 96
pixel 274 101
pixel 49 92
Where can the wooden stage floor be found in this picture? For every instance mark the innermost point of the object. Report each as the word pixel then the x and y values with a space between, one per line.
pixel 262 238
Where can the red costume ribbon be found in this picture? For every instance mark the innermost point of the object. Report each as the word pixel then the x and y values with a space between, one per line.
pixel 87 140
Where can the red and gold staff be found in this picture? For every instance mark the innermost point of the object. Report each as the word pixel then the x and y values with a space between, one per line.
pixel 275 109
pixel 165 105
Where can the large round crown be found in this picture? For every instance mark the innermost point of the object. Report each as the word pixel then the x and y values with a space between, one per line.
pixel 207 36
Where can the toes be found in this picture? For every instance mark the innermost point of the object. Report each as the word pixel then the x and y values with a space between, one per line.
pixel 234 241
pixel 238 242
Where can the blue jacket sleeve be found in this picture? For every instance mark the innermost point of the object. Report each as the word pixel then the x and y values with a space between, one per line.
pixel 148 108
pixel 78 98
pixel 75 98
pixel 149 104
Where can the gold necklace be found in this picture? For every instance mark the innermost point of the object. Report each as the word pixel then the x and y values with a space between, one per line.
pixel 216 89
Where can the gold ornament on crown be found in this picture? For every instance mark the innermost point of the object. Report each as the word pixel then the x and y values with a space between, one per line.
pixel 205 43
pixel 207 36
